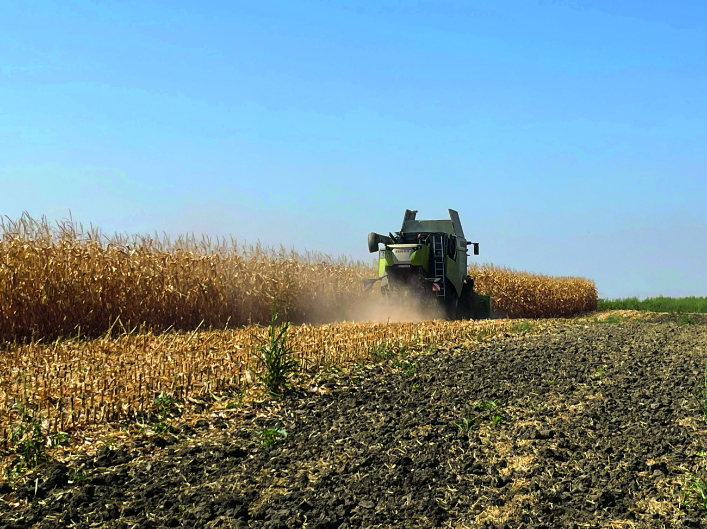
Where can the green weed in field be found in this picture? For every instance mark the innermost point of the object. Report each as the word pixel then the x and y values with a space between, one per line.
pixel 407 368
pixel 79 477
pixel 383 352
pixel 430 349
pixel 684 319
pixel 479 412
pixel 522 326
pixel 164 405
pixel 269 436
pixel 466 422
pixel 274 357
pixel 695 492
pixel 29 439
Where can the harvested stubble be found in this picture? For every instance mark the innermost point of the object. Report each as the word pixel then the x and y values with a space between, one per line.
pixel 78 383
pixel 523 295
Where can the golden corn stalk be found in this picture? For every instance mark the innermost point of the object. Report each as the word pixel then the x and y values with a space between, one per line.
pixel 524 295
pixel 60 281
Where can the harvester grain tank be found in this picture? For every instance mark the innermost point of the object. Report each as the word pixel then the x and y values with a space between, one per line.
pixel 426 263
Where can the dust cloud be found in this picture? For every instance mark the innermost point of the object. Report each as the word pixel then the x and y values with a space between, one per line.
pixel 395 311
pixel 375 307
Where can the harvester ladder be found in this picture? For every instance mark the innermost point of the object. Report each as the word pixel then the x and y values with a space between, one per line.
pixel 439 260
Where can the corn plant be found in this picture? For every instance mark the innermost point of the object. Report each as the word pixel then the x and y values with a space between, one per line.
pixel 28 439
pixel 164 406
pixel 516 294
pixel 274 357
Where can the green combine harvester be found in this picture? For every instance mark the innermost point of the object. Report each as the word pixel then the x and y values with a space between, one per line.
pixel 425 264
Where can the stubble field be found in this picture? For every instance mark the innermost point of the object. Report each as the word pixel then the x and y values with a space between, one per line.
pixel 579 424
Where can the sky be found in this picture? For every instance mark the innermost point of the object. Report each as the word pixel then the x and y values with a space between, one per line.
pixel 571 136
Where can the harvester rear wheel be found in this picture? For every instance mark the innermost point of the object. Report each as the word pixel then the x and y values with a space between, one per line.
pixel 449 303
pixel 465 304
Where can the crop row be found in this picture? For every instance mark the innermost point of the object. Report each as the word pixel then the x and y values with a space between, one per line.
pixel 63 280
pixel 524 295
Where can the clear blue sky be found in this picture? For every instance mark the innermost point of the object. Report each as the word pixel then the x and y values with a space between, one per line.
pixel 570 135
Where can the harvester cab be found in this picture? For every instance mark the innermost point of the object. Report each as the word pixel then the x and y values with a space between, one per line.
pixel 426 262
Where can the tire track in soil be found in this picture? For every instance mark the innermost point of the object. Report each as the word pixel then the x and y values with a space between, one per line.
pixel 598 429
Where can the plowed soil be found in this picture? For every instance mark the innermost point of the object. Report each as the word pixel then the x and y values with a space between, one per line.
pixel 582 426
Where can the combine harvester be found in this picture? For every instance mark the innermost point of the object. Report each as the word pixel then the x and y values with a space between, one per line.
pixel 424 266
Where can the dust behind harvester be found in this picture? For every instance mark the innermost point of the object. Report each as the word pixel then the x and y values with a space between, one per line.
pixel 425 264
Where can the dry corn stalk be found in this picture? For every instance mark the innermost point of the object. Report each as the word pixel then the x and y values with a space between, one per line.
pixel 58 281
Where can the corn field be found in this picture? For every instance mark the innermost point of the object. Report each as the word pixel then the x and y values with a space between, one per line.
pixel 66 280
pixel 56 281
pixel 523 295
pixel 95 327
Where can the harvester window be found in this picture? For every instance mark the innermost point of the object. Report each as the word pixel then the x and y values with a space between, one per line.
pixel 423 238
pixel 452 247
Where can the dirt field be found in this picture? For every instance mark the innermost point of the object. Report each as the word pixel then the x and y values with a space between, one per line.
pixel 580 426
